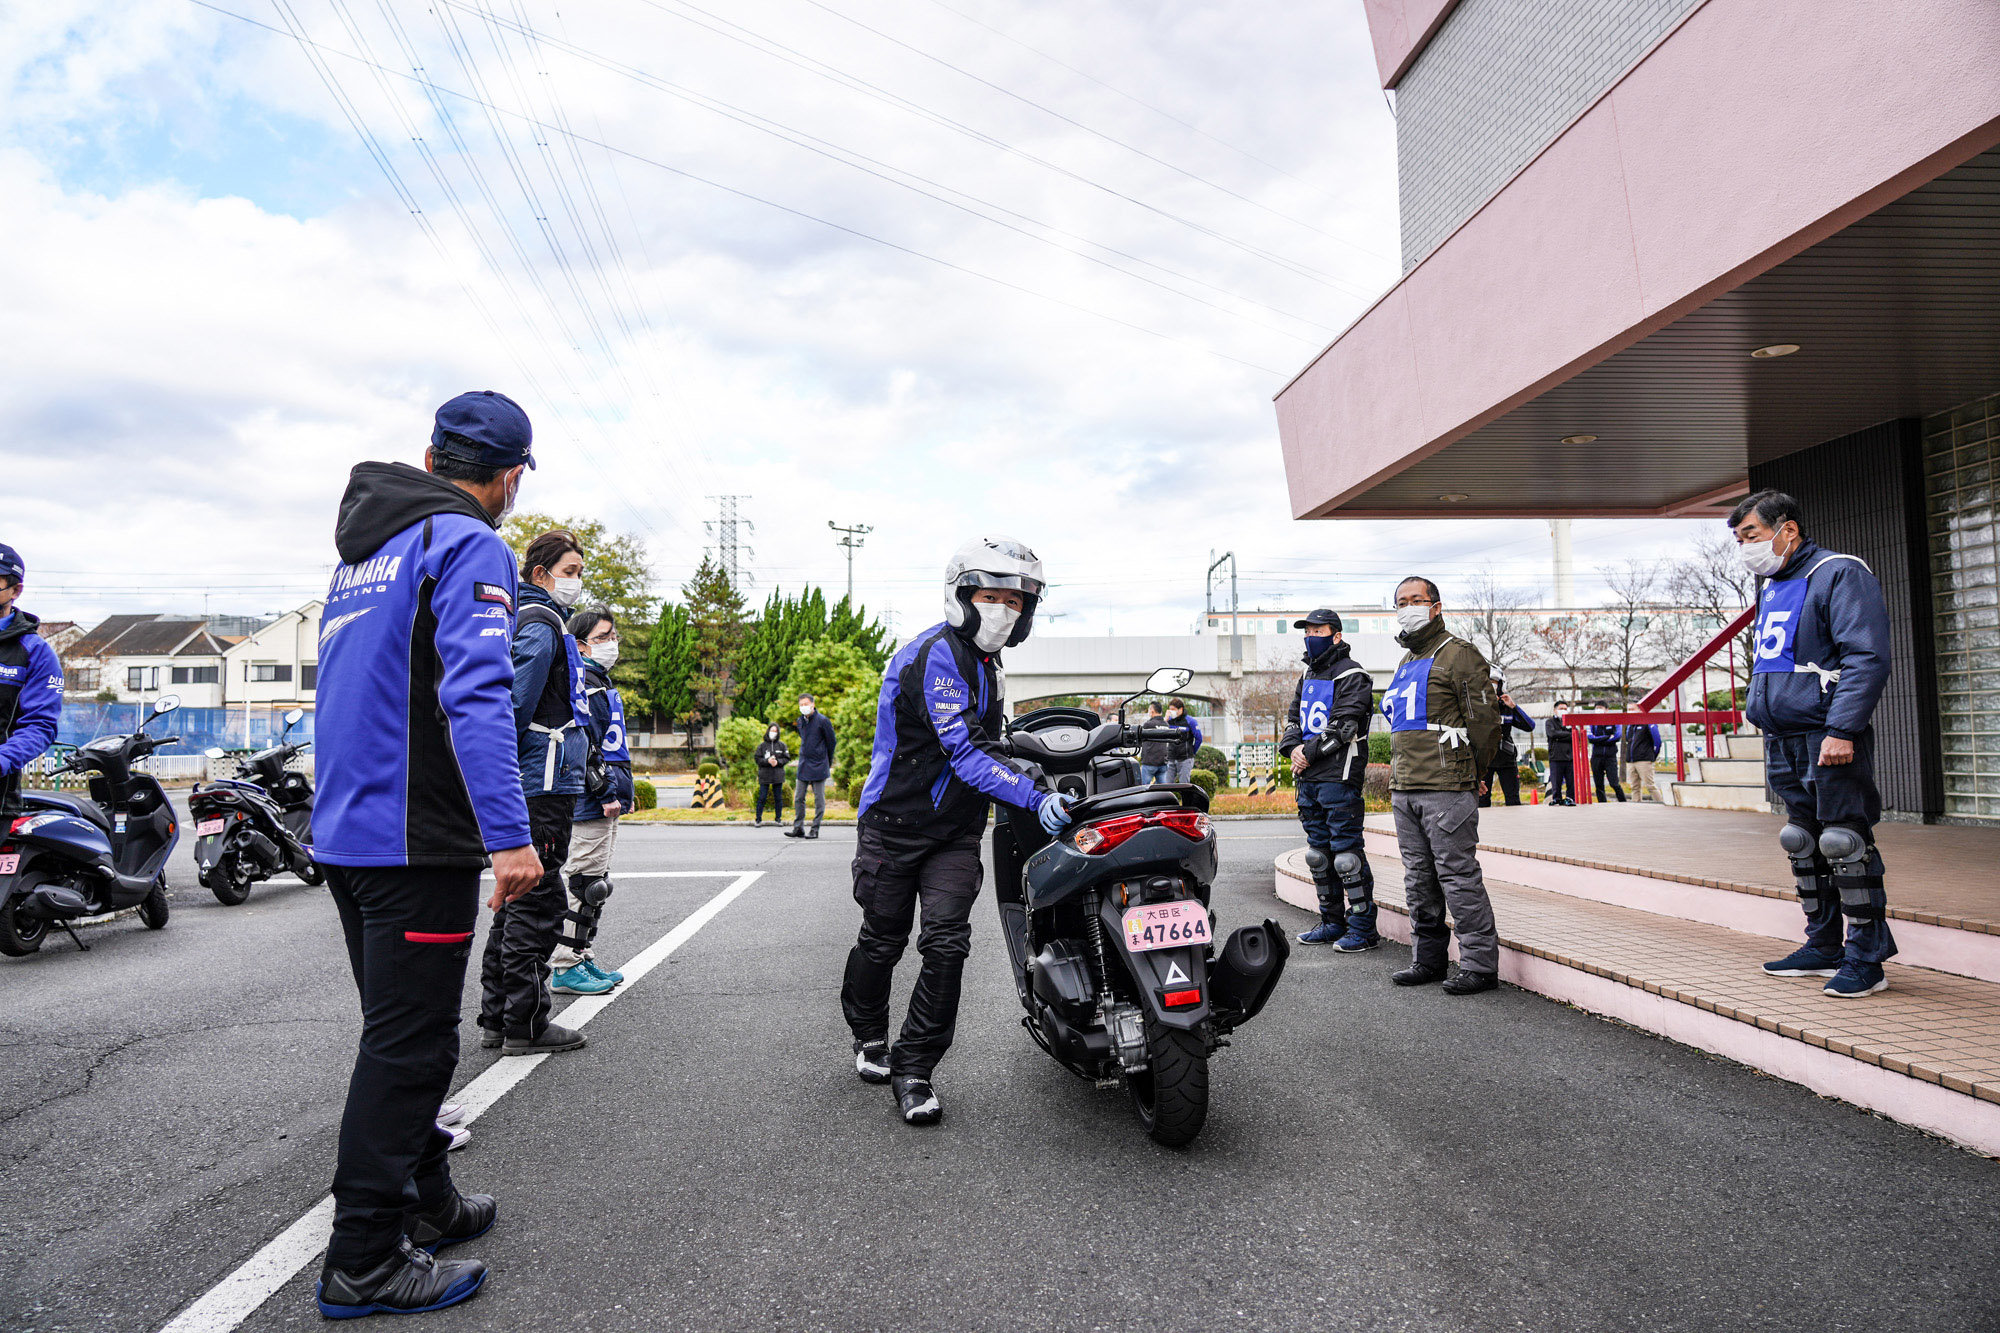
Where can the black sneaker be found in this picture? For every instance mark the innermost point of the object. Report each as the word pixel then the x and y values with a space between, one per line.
pixel 813 832
pixel 555 1037
pixel 489 1038
pixel 460 1218
pixel 407 1282
pixel 1463 982
pixel 1416 974
pixel 871 1061
pixel 916 1099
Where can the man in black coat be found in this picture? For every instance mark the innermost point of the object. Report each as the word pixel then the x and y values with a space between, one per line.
pixel 1562 758
pixel 1326 742
pixel 815 765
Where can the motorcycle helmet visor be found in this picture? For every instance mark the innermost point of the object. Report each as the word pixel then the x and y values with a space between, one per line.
pixel 979 578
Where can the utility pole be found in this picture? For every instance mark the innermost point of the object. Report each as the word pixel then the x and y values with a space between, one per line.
pixel 851 538
pixel 728 549
pixel 1235 626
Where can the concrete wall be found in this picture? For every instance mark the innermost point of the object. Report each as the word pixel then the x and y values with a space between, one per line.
pixel 1497 82
pixel 1864 494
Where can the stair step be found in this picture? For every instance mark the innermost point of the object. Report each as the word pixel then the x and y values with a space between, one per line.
pixel 1743 772
pixel 1925 1052
pixel 1741 747
pixel 1721 796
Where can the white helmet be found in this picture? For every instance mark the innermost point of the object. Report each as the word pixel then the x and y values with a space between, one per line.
pixel 992 562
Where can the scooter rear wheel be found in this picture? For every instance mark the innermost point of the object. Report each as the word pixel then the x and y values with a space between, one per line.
pixel 153 911
pixel 228 881
pixel 1171 1096
pixel 22 935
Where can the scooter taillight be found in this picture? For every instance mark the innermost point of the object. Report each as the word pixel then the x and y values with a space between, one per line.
pixel 1096 839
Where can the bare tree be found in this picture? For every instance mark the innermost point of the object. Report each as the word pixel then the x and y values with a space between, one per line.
pixel 1711 587
pixel 1261 696
pixel 1494 618
pixel 1632 629
pixel 1571 648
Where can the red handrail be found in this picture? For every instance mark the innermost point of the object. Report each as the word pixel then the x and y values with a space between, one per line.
pixel 1723 637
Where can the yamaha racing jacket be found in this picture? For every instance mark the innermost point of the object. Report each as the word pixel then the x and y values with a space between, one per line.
pixel 935 764
pixel 31 683
pixel 415 729
pixel 607 733
pixel 1822 647
pixel 1331 709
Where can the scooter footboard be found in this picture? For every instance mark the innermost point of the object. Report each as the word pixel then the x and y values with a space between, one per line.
pixel 1247 968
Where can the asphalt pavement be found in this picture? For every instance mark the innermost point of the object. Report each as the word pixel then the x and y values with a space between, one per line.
pixel 1375 1158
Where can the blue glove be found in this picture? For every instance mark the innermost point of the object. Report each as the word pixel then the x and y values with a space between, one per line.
pixel 1055 812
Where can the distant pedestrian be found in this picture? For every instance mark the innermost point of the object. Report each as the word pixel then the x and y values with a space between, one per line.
pixel 1156 758
pixel 771 757
pixel 419 783
pixel 816 742
pixel 551 727
pixel 1186 749
pixel 1604 760
pixel 1562 756
pixel 1326 743
pixel 1642 747
pixel 607 794
pixel 1506 772
pixel 1443 732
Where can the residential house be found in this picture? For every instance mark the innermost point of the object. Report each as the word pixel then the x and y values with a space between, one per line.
pixel 138 658
pixel 277 664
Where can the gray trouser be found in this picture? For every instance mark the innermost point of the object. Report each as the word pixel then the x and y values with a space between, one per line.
pixel 1183 771
pixel 590 844
pixel 1438 834
pixel 819 803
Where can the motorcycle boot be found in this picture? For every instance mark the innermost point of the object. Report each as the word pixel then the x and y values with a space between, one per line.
pixel 1332 919
pixel 916 1099
pixel 871 1061
pixel 455 1219
pixel 409 1281
pixel 1357 882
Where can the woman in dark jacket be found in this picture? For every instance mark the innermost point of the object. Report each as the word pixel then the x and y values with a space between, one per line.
pixel 771 757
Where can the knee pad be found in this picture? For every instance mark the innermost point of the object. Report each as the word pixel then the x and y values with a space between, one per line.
pixel 1804 854
pixel 1353 872
pixel 580 921
pixel 1847 851
pixel 1316 861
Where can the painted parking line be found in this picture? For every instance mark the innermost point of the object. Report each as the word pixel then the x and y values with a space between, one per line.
pixel 237 1296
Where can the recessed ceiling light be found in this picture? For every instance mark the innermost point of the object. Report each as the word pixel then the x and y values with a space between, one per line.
pixel 1775 350
pixel 1579 439
pixel 1454 497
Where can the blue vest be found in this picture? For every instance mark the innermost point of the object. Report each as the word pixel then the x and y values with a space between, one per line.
pixel 1407 701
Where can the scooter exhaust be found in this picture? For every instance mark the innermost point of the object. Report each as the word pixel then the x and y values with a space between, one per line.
pixel 1245 971
pixel 261 849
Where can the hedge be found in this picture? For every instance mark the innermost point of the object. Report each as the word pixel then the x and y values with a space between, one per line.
pixel 1203 779
pixel 644 794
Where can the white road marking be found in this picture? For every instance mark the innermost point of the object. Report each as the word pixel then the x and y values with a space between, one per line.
pixel 288 881
pixel 235 1298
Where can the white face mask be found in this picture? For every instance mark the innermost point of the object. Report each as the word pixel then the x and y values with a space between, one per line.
pixel 771 735
pixel 996 625
pixel 605 654
pixel 1759 558
pixel 805 710
pixel 1410 619
pixel 566 591
pixel 507 509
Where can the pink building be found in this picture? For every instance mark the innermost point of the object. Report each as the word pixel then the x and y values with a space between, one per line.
pixel 1661 252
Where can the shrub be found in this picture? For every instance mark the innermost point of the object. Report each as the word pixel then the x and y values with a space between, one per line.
pixel 644 795
pixel 1529 777
pixel 708 769
pixel 1375 787
pixel 736 740
pixel 1203 779
pixel 1378 747
pixel 1212 759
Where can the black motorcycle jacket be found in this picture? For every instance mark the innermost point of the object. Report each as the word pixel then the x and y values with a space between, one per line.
pixel 1331 710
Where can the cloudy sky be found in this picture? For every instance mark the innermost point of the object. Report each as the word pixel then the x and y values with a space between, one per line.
pixel 943 267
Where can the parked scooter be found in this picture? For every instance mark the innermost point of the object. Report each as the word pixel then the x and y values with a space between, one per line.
pixel 1108 927
pixel 248 827
pixel 65 857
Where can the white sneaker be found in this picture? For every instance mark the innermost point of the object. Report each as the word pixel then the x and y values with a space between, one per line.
pixel 459 1137
pixel 451 1114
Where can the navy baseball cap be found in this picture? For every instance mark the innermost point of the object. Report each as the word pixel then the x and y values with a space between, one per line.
pixel 1323 616
pixel 491 430
pixel 11 565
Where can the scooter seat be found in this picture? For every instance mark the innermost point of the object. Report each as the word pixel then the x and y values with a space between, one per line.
pixel 1131 800
pixel 67 804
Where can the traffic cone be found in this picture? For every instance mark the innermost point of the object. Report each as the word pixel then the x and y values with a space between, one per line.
pixel 1534 796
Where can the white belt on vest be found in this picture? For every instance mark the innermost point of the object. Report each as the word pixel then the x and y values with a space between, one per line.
pixel 1828 676
pixel 555 735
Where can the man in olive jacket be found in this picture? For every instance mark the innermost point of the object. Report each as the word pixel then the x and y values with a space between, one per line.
pixel 1443 733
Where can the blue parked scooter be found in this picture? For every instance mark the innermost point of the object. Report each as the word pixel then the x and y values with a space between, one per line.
pixel 66 857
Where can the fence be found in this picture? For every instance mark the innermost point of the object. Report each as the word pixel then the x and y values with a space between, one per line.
pixel 253 728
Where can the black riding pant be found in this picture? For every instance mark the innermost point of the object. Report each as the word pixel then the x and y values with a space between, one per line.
pixel 1604 768
pixel 514 994
pixel 1562 782
pixel 894 877
pixel 1505 777
pixel 409 933
pixel 1838 795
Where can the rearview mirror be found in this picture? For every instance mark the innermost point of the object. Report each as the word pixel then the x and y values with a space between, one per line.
pixel 1168 679
pixel 292 718
pixel 166 703
pixel 215 752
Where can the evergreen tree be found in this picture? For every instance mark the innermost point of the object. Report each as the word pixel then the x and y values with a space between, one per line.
pixel 670 662
pixel 715 618
pixel 786 625
pixel 850 624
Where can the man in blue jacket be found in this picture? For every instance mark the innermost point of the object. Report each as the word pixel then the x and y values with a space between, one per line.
pixel 1604 759
pixel 1326 742
pixel 1822 659
pixel 418 786
pixel 1190 743
pixel 31 678
pixel 816 742
pixel 934 772
pixel 551 727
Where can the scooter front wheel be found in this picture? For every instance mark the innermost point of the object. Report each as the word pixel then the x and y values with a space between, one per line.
pixel 153 911
pixel 20 935
pixel 1171 1095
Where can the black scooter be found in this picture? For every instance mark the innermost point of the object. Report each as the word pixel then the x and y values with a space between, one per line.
pixel 1108 927
pixel 66 857
pixel 249 827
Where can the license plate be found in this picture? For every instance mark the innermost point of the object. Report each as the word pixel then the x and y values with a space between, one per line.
pixel 209 827
pixel 1166 926
pixel 10 863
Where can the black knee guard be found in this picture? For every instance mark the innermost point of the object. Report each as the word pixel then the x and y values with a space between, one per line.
pixel 1806 866
pixel 1353 872
pixel 587 894
pixel 1857 870
pixel 1321 866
